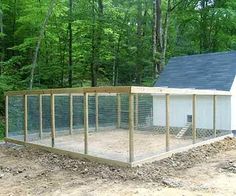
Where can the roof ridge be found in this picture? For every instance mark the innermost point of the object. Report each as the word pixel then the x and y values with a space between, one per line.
pixel 205 54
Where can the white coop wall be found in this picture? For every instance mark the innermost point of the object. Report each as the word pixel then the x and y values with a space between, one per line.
pixel 233 112
pixel 181 107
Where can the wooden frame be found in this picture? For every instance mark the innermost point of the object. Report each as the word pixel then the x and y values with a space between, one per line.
pixel 167 122
pixel 6 116
pixel 131 128
pixel 25 118
pixel 53 128
pixel 96 108
pixel 71 113
pixel 86 124
pixel 194 133
pixel 120 89
pixel 40 117
pixel 214 114
pixel 114 91
pixel 136 110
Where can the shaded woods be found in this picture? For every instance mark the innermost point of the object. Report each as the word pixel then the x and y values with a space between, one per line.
pixel 68 43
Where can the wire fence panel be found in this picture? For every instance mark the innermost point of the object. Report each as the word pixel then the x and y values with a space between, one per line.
pixel 33 118
pixel 105 139
pixel 16 117
pixel 158 123
pixel 78 113
pixel 62 115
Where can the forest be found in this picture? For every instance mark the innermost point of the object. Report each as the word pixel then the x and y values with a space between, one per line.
pixel 69 43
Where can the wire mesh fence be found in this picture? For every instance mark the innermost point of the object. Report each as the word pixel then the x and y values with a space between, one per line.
pixel 119 126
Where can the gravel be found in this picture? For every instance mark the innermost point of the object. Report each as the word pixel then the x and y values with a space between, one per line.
pixel 160 171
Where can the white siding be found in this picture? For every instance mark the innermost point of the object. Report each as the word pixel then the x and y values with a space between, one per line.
pixel 181 106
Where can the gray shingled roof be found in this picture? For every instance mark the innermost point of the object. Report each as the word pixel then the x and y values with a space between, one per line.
pixel 203 71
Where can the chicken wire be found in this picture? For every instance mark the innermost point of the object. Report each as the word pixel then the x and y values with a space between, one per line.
pixel 108 124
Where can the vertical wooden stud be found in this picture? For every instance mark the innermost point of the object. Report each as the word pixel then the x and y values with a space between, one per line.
pixel 53 129
pixel 194 119
pixel 96 106
pixel 25 118
pixel 86 123
pixel 118 110
pixel 167 122
pixel 136 110
pixel 6 116
pixel 214 115
pixel 131 128
pixel 40 117
pixel 71 114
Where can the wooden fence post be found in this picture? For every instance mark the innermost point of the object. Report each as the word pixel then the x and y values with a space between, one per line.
pixel 131 128
pixel 194 119
pixel 40 117
pixel 71 113
pixel 86 124
pixel 25 118
pixel 53 129
pixel 6 116
pixel 118 110
pixel 214 115
pixel 96 106
pixel 136 110
pixel 167 122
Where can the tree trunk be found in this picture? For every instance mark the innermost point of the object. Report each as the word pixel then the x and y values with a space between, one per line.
pixel 139 44
pixel 96 41
pixel 40 38
pixel 165 33
pixel 70 66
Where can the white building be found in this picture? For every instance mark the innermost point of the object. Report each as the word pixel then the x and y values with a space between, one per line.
pixel 214 72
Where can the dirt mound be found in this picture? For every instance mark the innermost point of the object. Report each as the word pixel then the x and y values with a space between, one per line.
pixel 159 171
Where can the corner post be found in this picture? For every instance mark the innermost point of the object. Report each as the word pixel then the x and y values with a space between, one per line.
pixel 96 106
pixel 6 116
pixel 86 124
pixel 136 110
pixel 194 118
pixel 53 129
pixel 167 122
pixel 25 118
pixel 71 113
pixel 40 117
pixel 214 115
pixel 131 128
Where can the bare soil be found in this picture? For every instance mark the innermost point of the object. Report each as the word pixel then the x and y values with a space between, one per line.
pixel 115 144
pixel 205 170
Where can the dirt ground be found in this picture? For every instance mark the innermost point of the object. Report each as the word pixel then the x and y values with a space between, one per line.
pixel 115 144
pixel 205 170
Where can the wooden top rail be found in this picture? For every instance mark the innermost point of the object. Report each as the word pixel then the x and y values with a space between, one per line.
pixel 120 89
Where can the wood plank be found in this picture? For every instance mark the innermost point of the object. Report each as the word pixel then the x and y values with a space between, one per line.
pixel 97 112
pixel 136 110
pixel 40 116
pixel 214 114
pixel 176 91
pixel 167 122
pixel 25 118
pixel 74 155
pixel 194 119
pixel 53 128
pixel 6 116
pixel 131 128
pixel 71 113
pixel 86 123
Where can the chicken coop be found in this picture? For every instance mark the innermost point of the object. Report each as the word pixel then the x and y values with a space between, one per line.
pixel 125 126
